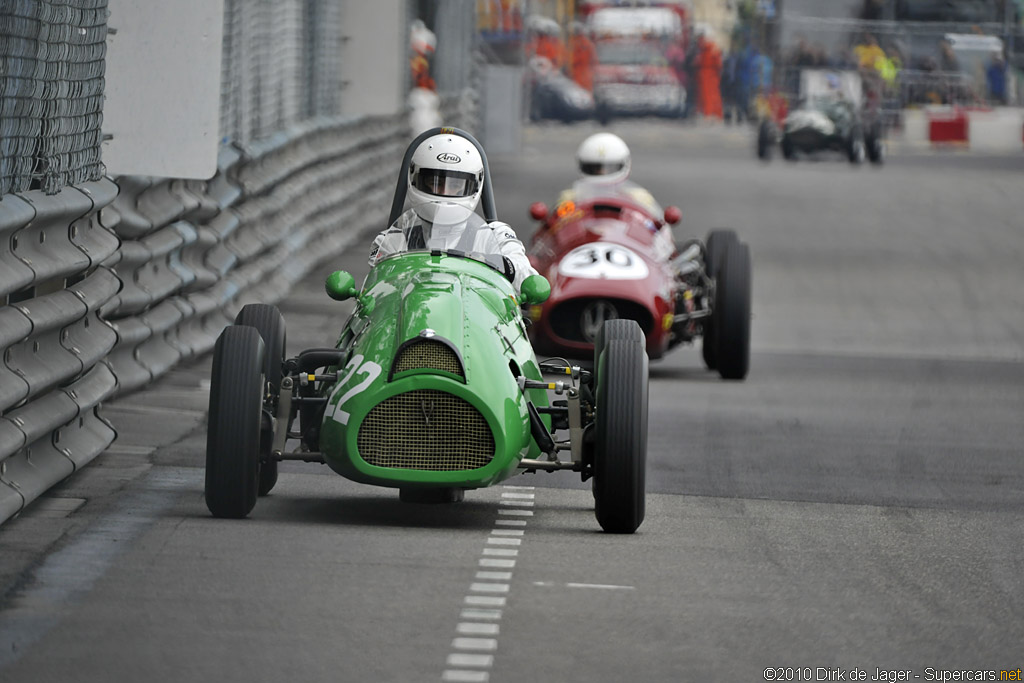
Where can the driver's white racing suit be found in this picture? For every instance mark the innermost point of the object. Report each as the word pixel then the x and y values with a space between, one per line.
pixel 410 232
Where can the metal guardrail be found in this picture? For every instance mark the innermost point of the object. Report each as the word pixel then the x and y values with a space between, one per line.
pixel 105 287
pixel 53 339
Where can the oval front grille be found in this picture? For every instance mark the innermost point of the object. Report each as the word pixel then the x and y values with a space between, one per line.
pixel 426 429
pixel 428 354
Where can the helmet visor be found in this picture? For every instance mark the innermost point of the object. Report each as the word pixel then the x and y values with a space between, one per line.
pixel 601 168
pixel 445 183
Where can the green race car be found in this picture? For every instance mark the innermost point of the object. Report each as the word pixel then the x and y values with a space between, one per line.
pixel 432 388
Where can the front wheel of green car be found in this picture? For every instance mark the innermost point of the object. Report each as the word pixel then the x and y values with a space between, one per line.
pixel 269 322
pixel 620 453
pixel 233 434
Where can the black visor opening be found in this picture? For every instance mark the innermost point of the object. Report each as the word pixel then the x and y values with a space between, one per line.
pixel 445 183
pixel 601 168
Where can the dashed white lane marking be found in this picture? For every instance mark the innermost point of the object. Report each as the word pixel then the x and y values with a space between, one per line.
pixel 484 601
pixel 501 540
pixel 460 659
pixel 489 587
pixel 491 562
pixel 600 586
pixel 487 644
pixel 474 613
pixel 469 628
pixel 464 676
pixel 482 613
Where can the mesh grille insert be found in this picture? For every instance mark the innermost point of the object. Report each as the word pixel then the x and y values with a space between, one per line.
pixel 426 429
pixel 428 354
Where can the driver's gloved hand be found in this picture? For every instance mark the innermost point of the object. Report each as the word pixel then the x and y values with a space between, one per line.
pixel 510 269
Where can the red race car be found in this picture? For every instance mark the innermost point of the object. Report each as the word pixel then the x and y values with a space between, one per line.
pixel 608 257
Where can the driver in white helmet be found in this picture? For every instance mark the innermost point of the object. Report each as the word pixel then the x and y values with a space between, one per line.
pixel 447 172
pixel 605 162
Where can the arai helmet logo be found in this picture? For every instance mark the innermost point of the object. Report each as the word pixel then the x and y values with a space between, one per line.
pixel 449 158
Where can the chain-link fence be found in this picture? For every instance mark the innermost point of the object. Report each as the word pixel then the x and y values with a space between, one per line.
pixel 51 93
pixel 280 65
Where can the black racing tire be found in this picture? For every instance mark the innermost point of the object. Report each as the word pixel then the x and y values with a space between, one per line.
pixel 732 312
pixel 619 328
pixel 765 141
pixel 233 433
pixel 875 147
pixel 620 452
pixel 788 150
pixel 269 322
pixel 714 249
pixel 855 150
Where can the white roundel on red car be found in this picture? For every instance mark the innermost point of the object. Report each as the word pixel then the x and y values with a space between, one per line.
pixel 603 260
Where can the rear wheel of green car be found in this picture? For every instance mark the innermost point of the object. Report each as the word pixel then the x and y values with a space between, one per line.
pixel 233 434
pixel 269 322
pixel 620 449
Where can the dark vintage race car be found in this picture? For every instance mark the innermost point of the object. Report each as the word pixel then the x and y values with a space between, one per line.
pixel 822 124
pixel 433 388
pixel 553 95
pixel 606 259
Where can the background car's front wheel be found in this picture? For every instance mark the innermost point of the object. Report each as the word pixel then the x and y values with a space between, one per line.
pixel 732 312
pixel 620 453
pixel 233 434
pixel 714 249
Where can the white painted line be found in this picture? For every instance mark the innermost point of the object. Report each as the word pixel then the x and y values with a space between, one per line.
pixel 484 601
pixel 521 488
pixel 496 576
pixel 130 450
pixel 470 613
pixel 510 522
pixel 517 513
pixel 467 628
pixel 503 552
pixel 543 583
pixel 520 503
pixel 603 586
pixel 461 659
pixel 507 532
pixel 490 644
pixel 459 676
pixel 529 496
pixel 504 541
pixel 504 564
pixel 489 587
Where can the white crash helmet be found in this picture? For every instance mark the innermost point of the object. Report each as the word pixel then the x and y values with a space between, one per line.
pixel 604 158
pixel 445 168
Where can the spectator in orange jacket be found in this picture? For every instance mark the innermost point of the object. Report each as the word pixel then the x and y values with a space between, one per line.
pixel 709 77
pixel 582 56
pixel 546 41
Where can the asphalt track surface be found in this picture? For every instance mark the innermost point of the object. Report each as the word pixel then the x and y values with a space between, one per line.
pixel 856 503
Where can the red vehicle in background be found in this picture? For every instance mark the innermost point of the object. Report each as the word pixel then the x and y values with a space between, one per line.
pixel 633 75
pixel 606 257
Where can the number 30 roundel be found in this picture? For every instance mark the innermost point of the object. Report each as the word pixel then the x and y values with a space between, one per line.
pixel 602 260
